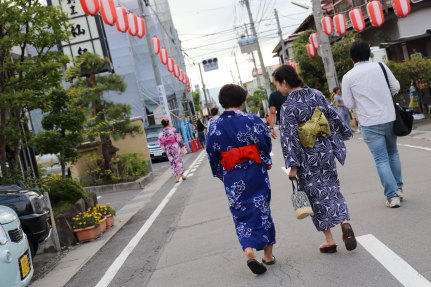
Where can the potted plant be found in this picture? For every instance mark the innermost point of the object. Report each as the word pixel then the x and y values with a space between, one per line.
pixel 86 226
pixel 108 212
pixel 97 212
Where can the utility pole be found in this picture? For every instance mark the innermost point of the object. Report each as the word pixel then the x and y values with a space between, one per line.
pixel 259 52
pixel 280 34
pixel 159 84
pixel 233 79
pixel 325 47
pixel 203 89
pixel 239 74
pixel 254 60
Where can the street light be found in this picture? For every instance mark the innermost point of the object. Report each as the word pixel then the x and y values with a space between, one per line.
pixel 301 5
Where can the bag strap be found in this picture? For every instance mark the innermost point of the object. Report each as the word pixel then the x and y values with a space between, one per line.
pixel 294 181
pixel 386 77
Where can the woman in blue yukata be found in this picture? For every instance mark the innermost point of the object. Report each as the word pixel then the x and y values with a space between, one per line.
pixel 238 146
pixel 314 167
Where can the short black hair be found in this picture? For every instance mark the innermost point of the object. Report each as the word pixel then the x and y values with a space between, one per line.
pixel 287 73
pixel 232 96
pixel 360 51
pixel 165 123
pixel 214 111
pixel 335 89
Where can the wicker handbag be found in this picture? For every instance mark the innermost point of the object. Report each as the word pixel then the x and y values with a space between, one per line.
pixel 300 201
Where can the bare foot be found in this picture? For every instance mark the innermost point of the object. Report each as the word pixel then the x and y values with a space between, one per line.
pixel 327 244
pixel 249 253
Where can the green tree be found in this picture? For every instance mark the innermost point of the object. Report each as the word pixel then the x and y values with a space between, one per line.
pixel 255 101
pixel 416 68
pixel 106 119
pixel 25 79
pixel 341 52
pixel 197 101
pixel 64 127
pixel 311 70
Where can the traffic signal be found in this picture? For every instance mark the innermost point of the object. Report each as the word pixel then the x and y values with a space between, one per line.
pixel 210 64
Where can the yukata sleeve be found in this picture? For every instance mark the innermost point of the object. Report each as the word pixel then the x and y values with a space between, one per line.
pixel 289 138
pixel 214 156
pixel 263 140
pixel 162 146
pixel 336 123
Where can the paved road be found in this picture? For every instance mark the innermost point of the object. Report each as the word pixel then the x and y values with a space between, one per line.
pixel 192 241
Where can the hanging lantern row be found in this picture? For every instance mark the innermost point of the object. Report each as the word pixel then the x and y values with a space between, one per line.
pixel 129 22
pixel 170 63
pixel 311 51
pixel 294 64
pixel 375 11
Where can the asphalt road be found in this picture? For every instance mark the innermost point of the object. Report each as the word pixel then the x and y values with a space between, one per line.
pixel 191 241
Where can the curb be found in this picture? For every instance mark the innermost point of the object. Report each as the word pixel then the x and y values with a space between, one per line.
pixel 118 187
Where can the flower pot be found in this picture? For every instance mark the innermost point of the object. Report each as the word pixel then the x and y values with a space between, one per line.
pixel 109 221
pixel 87 234
pixel 103 225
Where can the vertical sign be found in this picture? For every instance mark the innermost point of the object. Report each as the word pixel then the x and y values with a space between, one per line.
pixel 163 101
pixel 87 32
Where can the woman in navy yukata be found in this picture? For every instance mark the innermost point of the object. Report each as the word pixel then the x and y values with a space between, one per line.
pixel 315 167
pixel 238 146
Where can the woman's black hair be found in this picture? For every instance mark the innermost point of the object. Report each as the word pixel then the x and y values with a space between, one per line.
pixel 165 123
pixel 232 96
pixel 214 111
pixel 335 90
pixel 287 73
pixel 360 51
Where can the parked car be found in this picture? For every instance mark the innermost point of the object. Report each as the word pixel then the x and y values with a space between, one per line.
pixel 33 212
pixel 152 133
pixel 16 267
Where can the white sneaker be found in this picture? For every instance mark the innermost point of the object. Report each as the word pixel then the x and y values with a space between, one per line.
pixel 400 193
pixel 393 202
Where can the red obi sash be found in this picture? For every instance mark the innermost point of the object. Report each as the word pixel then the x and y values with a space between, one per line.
pixel 239 155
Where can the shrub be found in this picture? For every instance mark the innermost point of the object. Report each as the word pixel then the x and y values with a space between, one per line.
pixel 64 189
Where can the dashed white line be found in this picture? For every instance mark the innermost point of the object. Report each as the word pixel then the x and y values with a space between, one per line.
pixel 272 154
pixel 399 268
pixel 190 175
pixel 99 197
pixel 116 265
pixel 417 147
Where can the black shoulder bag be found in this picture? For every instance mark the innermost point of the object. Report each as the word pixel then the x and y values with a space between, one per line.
pixel 403 119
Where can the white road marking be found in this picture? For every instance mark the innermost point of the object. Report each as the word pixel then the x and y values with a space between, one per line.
pixel 99 197
pixel 272 154
pixel 116 265
pixel 190 175
pixel 417 147
pixel 399 268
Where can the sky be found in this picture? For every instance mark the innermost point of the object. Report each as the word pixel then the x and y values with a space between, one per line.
pixel 195 19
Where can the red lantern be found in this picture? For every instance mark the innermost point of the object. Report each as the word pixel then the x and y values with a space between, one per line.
pixel 109 14
pixel 164 56
pixel 171 64
pixel 313 40
pixel 188 80
pixel 181 76
pixel 133 24
pixel 156 45
pixel 340 24
pixel 189 89
pixel 184 81
pixel 401 7
pixel 328 29
pixel 141 27
pixel 90 7
pixel 311 51
pixel 122 23
pixel 357 19
pixel 375 11
pixel 176 71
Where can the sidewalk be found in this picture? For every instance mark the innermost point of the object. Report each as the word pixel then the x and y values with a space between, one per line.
pixel 77 256
pixel 421 129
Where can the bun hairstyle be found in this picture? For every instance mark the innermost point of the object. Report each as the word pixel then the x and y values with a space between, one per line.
pixel 287 73
pixel 165 122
